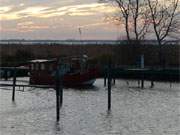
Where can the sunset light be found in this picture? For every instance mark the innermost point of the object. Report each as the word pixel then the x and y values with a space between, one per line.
pixel 66 16
pixel 61 19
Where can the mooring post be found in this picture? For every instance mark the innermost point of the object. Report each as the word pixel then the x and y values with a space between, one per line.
pixel 152 83
pixel 14 84
pixel 152 78
pixel 57 95
pixel 61 91
pixel 114 81
pixel 138 83
pixel 104 81
pixel 105 77
pixel 109 86
pixel 142 81
pixel 113 74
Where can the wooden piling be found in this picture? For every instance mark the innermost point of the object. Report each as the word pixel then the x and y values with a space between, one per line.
pixel 142 83
pixel 61 91
pixel 104 80
pixel 142 79
pixel 109 86
pixel 57 95
pixel 106 76
pixel 113 74
pixel 114 81
pixel 152 83
pixel 14 84
pixel 109 94
pixel 138 83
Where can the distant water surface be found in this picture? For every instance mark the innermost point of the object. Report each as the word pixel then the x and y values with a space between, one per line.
pixel 81 42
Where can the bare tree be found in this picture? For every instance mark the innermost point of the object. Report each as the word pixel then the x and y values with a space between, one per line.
pixel 164 21
pixel 124 7
pixel 134 16
pixel 163 17
pixel 140 17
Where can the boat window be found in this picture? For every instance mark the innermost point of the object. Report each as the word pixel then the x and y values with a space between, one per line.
pixel 36 66
pixel 32 66
pixel 42 66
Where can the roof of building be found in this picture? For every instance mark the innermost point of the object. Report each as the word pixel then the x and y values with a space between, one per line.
pixel 42 60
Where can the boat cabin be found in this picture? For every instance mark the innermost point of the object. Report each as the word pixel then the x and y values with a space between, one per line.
pixel 41 71
pixel 75 71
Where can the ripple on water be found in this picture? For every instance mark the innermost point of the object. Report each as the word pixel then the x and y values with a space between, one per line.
pixel 84 112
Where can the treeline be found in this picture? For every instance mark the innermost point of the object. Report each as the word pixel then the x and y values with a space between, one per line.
pixel 121 55
pixel 19 58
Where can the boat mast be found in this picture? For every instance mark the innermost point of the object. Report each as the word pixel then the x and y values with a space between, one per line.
pixel 81 50
pixel 80 38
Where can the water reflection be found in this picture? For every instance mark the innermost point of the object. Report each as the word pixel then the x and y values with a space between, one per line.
pixel 58 128
pixel 84 88
pixel 14 104
pixel 108 121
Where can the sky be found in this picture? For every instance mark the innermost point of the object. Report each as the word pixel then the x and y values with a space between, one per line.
pixel 58 20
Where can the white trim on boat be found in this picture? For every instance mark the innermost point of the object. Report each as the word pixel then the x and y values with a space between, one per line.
pixel 90 82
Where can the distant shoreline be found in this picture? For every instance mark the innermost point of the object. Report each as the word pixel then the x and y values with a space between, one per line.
pixel 83 42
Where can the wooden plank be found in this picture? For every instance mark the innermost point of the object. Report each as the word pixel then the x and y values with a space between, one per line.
pixel 22 85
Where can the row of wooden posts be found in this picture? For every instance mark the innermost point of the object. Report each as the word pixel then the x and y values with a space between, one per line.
pixel 109 78
pixel 59 90
pixel 108 81
pixel 58 87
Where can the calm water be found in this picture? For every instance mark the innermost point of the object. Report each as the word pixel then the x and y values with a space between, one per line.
pixel 134 111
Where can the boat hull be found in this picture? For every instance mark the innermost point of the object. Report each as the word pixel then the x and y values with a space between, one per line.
pixel 70 79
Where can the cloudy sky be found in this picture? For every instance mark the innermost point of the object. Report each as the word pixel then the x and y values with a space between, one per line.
pixel 56 19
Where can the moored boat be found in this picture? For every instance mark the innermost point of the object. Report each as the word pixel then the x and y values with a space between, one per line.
pixel 74 71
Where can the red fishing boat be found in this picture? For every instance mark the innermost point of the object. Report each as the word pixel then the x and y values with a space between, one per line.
pixel 74 71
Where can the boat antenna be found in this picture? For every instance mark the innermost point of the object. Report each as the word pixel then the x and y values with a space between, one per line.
pixel 80 33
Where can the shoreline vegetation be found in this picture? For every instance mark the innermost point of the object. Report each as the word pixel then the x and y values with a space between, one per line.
pixel 121 55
